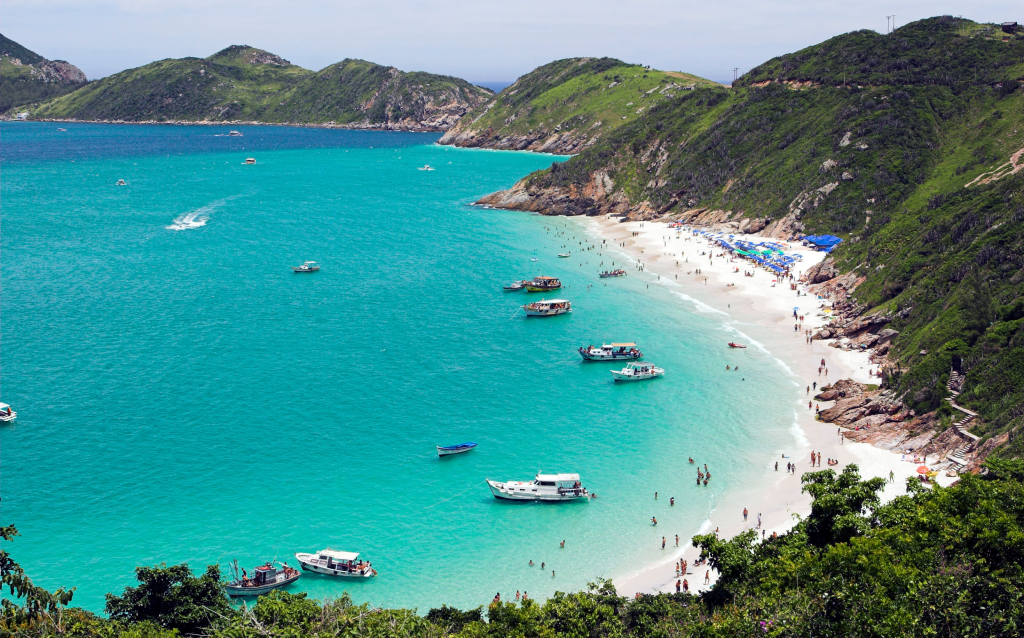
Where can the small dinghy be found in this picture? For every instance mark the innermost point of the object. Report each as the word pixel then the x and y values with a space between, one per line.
pixel 7 414
pixel 563 255
pixel 638 372
pixel 612 273
pixel 736 345
pixel 454 449
pixel 334 563
pixel 265 578
pixel 516 285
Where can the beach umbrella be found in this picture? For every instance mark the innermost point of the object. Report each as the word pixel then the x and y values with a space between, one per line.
pixel 923 469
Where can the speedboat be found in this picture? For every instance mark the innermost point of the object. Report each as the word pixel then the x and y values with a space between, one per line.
pixel 62 129
pixel 234 134
pixel 334 563
pixel 611 352
pixel 250 160
pixel 548 308
pixel 545 487
pixel 736 345
pixel 612 273
pixel 543 284
pixel 516 285
pixel 454 449
pixel 638 372
pixel 121 182
pixel 533 259
pixel 563 255
pixel 309 266
pixel 6 413
pixel 264 579
pixel 425 167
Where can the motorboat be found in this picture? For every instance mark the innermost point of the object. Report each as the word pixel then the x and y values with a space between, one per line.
pixel 62 129
pixel 334 563
pixel 611 352
pixel 234 134
pixel 543 284
pixel 548 308
pixel 454 449
pixel 563 255
pixel 250 160
pixel 612 273
pixel 533 259
pixel 516 285
pixel 309 266
pixel 6 413
pixel 544 487
pixel 638 372
pixel 736 345
pixel 425 167
pixel 265 578
pixel 121 182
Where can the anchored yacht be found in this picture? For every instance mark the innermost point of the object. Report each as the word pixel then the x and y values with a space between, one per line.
pixel 638 372
pixel 264 579
pixel 611 352
pixel 334 563
pixel 545 487
pixel 548 308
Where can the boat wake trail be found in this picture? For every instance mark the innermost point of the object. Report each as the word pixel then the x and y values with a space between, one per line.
pixel 198 218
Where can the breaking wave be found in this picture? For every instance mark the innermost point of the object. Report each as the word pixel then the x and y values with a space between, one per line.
pixel 199 217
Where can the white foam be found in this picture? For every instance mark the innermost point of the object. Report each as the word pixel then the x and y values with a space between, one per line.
pixel 199 217
pixel 798 432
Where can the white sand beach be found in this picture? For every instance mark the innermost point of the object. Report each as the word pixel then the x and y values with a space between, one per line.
pixel 760 309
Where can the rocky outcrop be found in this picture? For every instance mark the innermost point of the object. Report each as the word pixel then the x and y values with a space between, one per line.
pixel 540 140
pixel 58 71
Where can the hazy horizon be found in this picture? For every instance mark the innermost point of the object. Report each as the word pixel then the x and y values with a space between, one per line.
pixel 489 43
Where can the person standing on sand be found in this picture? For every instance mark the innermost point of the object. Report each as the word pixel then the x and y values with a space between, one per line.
pixel 744 514
pixel 892 478
pixel 663 542
pixel 759 520
pixel 678 585
pixel 686 586
pixel 707 577
pixel 776 466
pixel 677 540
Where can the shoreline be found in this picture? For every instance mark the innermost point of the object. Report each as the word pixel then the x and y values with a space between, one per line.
pixel 763 319
pixel 325 125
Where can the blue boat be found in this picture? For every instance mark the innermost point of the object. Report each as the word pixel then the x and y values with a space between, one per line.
pixel 455 449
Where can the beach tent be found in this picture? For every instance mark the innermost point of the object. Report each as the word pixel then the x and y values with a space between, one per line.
pixel 824 243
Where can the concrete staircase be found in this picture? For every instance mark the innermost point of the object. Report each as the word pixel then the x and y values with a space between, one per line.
pixel 957 460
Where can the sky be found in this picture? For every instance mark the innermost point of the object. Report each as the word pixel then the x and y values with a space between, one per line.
pixel 478 40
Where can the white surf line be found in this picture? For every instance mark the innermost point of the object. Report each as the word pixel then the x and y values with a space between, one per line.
pixel 199 217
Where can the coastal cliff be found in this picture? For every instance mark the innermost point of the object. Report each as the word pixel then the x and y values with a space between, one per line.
pixel 915 161
pixel 242 83
pixel 26 76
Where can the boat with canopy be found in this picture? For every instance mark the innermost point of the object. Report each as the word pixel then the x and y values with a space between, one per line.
pixel 334 563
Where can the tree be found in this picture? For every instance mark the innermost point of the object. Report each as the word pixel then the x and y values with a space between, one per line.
pixel 172 597
pixel 40 606
pixel 840 504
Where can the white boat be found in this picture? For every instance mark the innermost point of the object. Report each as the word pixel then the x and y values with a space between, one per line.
pixel 563 255
pixel 250 160
pixel 545 487
pixel 62 129
pixel 611 352
pixel 334 563
pixel 448 450
pixel 516 285
pixel 638 372
pixel 548 308
pixel 425 167
pixel 309 266
pixel 234 134
pixel 265 578
pixel 121 182
pixel 6 413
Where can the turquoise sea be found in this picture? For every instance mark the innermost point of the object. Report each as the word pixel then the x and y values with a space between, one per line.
pixel 184 397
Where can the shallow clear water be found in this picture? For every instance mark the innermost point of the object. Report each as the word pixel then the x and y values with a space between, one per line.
pixel 183 396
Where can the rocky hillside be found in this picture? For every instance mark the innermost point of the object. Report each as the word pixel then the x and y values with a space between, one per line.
pixel 916 160
pixel 26 76
pixel 566 106
pixel 242 83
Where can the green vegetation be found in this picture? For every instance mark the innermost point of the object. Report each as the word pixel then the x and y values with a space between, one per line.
pixel 580 98
pixel 912 162
pixel 936 562
pixel 244 83
pixel 26 76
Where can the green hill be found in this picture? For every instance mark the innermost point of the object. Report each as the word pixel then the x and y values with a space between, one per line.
pixel 917 162
pixel 249 84
pixel 567 105
pixel 26 76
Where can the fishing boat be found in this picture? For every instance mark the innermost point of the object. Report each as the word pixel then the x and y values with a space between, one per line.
pixel 6 413
pixel 515 285
pixel 264 579
pixel 637 372
pixel 309 266
pixel 611 352
pixel 563 255
pixel 250 160
pixel 548 308
pixel 334 563
pixel 234 134
pixel 454 449
pixel 425 167
pixel 543 284
pixel 121 182
pixel 736 345
pixel 545 487
pixel 612 273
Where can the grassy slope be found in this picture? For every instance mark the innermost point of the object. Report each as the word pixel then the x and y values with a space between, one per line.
pixel 574 95
pixel 17 86
pixel 950 256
